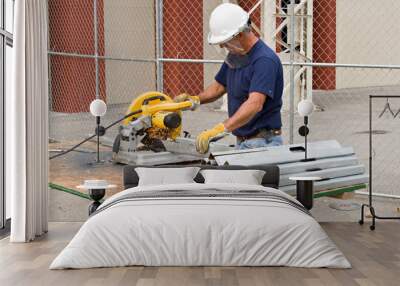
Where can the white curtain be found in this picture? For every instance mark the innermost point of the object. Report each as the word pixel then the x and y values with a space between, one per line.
pixel 27 123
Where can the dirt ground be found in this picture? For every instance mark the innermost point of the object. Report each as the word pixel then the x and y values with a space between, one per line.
pixel 72 169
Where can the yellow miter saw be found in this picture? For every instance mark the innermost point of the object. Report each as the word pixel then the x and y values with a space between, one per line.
pixel 157 117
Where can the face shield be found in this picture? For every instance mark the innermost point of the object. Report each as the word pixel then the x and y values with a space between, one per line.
pixel 233 52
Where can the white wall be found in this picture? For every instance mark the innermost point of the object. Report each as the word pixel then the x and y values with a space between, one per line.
pixel 129 32
pixel 368 32
pixel 209 52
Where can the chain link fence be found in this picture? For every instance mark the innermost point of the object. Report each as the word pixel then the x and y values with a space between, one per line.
pixel 336 52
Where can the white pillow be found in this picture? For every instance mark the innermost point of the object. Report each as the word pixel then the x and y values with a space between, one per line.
pixel 248 177
pixel 166 176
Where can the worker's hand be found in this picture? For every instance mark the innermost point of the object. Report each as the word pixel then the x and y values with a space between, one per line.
pixel 205 137
pixel 186 97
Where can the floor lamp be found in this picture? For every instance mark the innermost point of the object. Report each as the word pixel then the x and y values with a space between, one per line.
pixel 98 108
pixel 305 108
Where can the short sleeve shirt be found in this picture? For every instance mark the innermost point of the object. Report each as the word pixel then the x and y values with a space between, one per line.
pixel 264 74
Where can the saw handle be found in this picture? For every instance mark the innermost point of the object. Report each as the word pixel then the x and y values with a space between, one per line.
pixel 219 137
pixel 147 100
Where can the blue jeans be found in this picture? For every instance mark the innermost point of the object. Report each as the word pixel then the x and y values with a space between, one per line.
pixel 269 140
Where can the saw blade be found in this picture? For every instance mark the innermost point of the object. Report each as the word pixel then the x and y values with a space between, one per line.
pixel 153 144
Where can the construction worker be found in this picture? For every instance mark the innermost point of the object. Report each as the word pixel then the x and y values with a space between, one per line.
pixel 251 75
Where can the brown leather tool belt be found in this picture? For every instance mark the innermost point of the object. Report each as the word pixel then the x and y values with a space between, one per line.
pixel 262 133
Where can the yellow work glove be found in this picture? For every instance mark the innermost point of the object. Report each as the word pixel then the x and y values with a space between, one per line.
pixel 205 137
pixel 186 97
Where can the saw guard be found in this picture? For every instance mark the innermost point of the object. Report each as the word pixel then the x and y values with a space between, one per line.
pixel 152 102
pixel 137 104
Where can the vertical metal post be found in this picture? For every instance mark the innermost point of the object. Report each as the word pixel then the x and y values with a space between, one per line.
pixel 291 101
pixel 269 23
pixel 98 137
pixel 49 78
pixel 370 151
pixel 303 77
pixel 159 44
pixel 96 49
pixel 96 60
pixel 309 48
pixel 303 22
pixel 305 138
pixel 2 103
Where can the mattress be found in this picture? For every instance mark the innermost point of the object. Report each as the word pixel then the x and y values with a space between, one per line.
pixel 201 225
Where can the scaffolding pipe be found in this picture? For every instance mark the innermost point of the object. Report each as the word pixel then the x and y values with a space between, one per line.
pixel 296 78
pixel 86 56
pixel 269 23
pixel 96 49
pixel 285 22
pixel 205 61
pixel 378 195
pixel 291 101
pixel 159 45
pixel 309 49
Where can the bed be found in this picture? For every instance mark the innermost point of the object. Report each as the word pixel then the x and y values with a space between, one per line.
pixel 201 224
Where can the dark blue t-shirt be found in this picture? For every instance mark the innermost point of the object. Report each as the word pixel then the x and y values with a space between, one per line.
pixel 264 74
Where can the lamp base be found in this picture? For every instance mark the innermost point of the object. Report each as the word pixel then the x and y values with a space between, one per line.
pixel 305 193
pixel 96 195
pixel 98 163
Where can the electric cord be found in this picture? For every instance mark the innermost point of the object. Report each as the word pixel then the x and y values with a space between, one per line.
pixel 94 135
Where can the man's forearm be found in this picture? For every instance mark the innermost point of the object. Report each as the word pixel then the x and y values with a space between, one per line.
pixel 212 93
pixel 245 113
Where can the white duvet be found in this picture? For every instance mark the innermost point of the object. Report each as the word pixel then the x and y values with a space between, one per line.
pixel 188 231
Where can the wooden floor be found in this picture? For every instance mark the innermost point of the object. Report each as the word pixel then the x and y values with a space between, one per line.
pixel 375 257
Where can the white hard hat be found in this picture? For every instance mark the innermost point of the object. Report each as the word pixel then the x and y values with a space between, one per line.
pixel 226 21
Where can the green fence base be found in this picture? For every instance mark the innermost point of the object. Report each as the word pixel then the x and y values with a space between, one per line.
pixel 69 191
pixel 339 191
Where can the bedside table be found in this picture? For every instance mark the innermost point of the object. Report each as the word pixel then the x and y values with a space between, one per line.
pixel 305 190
